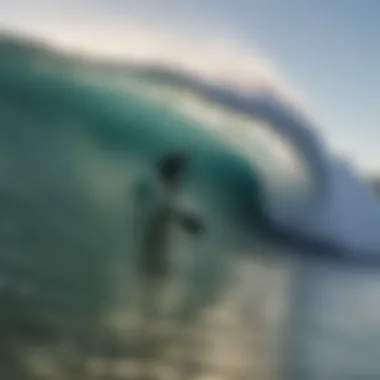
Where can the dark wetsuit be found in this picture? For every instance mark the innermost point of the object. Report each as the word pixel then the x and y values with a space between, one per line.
pixel 155 242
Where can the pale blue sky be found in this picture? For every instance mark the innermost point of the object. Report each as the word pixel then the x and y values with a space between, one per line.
pixel 328 49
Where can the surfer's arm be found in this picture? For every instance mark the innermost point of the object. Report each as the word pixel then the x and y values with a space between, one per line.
pixel 189 222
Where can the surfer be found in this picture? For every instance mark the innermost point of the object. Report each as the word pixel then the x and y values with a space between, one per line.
pixel 154 251
pixel 156 234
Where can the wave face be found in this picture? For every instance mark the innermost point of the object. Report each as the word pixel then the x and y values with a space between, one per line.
pixel 80 141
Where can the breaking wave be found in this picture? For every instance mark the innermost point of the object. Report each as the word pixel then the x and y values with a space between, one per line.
pixel 79 135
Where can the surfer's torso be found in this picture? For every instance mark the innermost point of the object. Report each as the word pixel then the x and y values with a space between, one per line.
pixel 156 237
pixel 155 242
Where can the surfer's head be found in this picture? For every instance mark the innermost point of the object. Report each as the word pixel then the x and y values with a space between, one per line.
pixel 171 167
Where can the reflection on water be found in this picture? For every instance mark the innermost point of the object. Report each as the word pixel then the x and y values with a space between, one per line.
pixel 237 337
pixel 217 317
pixel 333 327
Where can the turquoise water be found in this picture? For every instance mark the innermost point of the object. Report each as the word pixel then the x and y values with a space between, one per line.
pixel 78 140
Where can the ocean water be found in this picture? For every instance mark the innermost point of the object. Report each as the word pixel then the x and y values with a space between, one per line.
pixel 79 140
